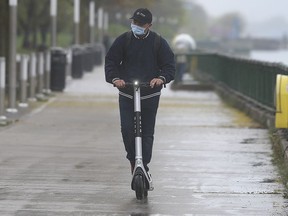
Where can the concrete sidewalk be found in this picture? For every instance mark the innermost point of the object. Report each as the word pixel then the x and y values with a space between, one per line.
pixel 67 158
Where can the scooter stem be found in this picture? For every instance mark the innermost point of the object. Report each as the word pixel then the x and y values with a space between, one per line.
pixel 138 129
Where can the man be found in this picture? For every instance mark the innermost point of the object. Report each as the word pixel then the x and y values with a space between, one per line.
pixel 138 56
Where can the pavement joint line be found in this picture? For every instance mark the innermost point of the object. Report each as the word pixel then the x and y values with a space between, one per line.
pixel 42 107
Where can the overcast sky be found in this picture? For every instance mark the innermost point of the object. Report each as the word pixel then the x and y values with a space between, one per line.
pixel 252 10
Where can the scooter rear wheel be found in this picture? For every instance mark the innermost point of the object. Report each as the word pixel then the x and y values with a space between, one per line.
pixel 139 187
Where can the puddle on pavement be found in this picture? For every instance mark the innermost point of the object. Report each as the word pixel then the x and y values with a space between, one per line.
pixel 249 141
pixel 240 119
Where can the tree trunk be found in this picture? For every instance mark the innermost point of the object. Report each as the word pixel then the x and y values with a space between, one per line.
pixel 44 31
pixel 26 43
pixel 4 28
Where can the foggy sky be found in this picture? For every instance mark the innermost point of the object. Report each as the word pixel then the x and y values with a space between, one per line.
pixel 252 10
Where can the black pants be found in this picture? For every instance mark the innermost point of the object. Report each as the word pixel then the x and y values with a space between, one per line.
pixel 148 116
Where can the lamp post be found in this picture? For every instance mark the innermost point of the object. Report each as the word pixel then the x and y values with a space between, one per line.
pixel 76 21
pixel 53 15
pixel 106 22
pixel 100 24
pixel 12 56
pixel 92 21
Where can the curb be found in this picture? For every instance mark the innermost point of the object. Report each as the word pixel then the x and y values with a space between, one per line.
pixel 192 86
pixel 284 143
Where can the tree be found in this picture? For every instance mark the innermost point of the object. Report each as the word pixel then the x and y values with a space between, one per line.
pixel 4 27
pixel 34 21
pixel 195 21
pixel 33 17
pixel 228 26
pixel 166 14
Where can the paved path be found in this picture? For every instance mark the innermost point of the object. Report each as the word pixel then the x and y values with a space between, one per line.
pixel 67 158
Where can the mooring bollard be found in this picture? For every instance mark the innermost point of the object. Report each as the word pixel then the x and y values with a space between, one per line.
pixel 2 89
pixel 32 77
pixel 47 73
pixel 40 77
pixel 23 81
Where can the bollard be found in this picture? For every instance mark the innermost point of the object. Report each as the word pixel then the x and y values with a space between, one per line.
pixel 69 63
pixel 47 73
pixel 40 77
pixel 2 89
pixel 23 81
pixel 32 77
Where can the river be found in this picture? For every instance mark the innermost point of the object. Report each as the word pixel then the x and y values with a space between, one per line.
pixel 278 56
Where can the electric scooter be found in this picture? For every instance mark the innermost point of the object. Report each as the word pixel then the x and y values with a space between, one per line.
pixel 141 180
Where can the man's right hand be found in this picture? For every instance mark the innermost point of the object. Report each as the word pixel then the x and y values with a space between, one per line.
pixel 119 83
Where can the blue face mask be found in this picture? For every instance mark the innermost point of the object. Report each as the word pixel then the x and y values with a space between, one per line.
pixel 137 30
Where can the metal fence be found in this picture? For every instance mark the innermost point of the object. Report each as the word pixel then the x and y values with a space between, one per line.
pixel 251 78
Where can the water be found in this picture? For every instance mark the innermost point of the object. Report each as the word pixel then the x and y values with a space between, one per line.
pixel 276 56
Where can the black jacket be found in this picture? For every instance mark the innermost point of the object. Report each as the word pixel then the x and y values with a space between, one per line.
pixel 138 60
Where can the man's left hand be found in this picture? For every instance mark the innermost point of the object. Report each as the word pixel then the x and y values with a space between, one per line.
pixel 156 82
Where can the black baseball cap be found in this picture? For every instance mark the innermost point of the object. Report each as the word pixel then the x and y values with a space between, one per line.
pixel 142 15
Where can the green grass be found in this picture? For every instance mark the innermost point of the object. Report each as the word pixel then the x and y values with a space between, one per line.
pixel 63 40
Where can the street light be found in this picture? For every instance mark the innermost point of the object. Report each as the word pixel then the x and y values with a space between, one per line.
pixel 12 56
pixel 92 20
pixel 100 24
pixel 76 21
pixel 106 22
pixel 53 14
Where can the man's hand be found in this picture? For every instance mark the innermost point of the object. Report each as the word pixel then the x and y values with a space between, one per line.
pixel 119 83
pixel 156 82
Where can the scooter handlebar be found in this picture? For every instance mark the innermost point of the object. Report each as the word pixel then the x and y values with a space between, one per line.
pixel 136 83
pixel 139 84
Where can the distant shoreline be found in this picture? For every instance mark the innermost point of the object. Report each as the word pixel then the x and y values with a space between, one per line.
pixel 276 56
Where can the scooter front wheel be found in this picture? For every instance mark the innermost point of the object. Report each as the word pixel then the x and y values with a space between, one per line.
pixel 139 187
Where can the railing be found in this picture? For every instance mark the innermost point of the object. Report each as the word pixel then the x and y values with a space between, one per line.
pixel 253 79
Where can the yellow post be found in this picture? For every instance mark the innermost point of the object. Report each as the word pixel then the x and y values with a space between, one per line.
pixel 194 64
pixel 281 120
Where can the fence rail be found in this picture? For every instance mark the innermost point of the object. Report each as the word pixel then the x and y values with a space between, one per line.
pixel 252 78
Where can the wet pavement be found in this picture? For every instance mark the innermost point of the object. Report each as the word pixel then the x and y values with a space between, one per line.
pixel 67 158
